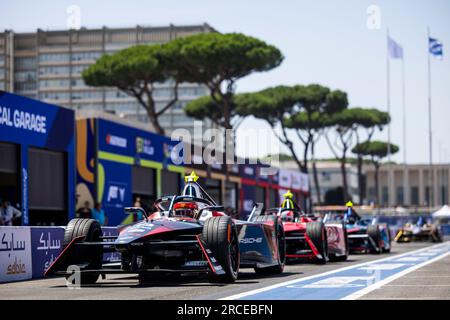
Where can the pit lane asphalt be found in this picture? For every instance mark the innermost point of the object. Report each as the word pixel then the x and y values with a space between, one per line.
pixel 196 287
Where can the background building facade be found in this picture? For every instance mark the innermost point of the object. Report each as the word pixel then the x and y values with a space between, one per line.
pixel 411 185
pixel 47 65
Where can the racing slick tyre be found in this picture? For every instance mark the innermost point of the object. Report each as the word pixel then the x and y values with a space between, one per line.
pixel 318 235
pixel 281 246
pixel 374 233
pixel 387 250
pixel 343 257
pixel 91 230
pixel 221 237
pixel 435 235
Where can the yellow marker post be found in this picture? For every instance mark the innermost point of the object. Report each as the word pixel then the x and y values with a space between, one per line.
pixel 287 202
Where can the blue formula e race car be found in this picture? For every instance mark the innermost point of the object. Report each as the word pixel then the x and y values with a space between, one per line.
pixel 366 235
pixel 187 233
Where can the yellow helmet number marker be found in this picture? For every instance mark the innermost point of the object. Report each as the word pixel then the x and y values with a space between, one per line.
pixel 191 178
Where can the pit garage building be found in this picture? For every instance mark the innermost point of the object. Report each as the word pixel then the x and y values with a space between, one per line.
pixel 36 157
pixel 118 162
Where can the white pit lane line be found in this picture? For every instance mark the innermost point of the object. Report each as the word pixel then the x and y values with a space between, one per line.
pixel 361 292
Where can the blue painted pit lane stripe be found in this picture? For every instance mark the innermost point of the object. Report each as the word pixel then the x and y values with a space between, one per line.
pixel 349 282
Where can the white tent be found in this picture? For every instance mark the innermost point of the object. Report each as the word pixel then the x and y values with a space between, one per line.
pixel 443 212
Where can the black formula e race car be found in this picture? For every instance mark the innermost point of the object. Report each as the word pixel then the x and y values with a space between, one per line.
pixel 188 233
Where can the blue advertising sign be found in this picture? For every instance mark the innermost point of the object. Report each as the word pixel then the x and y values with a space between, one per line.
pixel 32 122
pixel 117 192
pixel 123 140
pixel 46 244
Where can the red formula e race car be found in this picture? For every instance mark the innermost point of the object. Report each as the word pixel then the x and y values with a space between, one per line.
pixel 309 238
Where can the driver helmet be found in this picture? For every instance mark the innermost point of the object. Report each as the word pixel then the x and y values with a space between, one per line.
pixel 288 216
pixel 185 209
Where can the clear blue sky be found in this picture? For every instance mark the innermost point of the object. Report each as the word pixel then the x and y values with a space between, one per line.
pixel 324 41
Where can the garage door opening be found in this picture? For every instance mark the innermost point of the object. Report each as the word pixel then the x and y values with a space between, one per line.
pixel 231 196
pixel 47 187
pixel 260 195
pixel 9 176
pixel 170 183
pixel 213 187
pixel 144 187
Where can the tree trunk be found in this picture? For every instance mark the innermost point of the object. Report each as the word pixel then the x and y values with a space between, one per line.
pixel 344 179
pixel 155 122
pixel 316 177
pixel 360 179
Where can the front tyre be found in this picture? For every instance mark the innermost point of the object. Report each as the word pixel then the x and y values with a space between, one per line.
pixel 221 237
pixel 374 233
pixel 92 255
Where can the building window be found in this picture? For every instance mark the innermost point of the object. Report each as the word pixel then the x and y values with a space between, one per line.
pixel 45 71
pixel 427 195
pixel 400 196
pixel 81 56
pixel 25 63
pixel 23 76
pixel 384 195
pixel 444 195
pixel 53 57
pixel 54 95
pixel 415 195
pixel 79 69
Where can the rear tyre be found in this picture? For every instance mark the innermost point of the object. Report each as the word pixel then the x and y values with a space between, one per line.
pixel 374 232
pixel 318 235
pixel 221 237
pixel 388 232
pixel 435 234
pixel 91 230
pixel 281 246
pixel 344 257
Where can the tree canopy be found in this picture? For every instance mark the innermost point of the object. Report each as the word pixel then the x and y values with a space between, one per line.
pixel 375 149
pixel 211 58
pixel 135 70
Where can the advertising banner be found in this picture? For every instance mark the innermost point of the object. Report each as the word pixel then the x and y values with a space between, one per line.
pixel 46 244
pixel 293 179
pixel 117 191
pixel 15 254
pixel 128 141
pixel 32 122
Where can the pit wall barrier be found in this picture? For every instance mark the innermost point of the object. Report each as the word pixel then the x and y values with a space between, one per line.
pixel 26 252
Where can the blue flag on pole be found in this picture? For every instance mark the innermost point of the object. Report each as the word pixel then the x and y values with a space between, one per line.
pixel 395 50
pixel 435 47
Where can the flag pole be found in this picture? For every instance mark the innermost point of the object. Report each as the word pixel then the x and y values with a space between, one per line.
pixel 388 102
pixel 405 166
pixel 430 141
